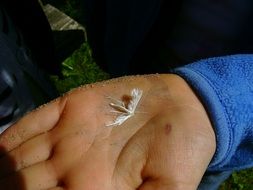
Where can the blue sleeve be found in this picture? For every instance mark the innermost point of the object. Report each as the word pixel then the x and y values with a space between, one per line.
pixel 225 87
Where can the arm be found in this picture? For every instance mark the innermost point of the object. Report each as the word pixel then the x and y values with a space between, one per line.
pixel 225 87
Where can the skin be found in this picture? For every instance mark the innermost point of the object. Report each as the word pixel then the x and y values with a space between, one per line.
pixel 65 145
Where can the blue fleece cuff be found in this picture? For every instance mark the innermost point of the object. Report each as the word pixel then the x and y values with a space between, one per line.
pixel 225 87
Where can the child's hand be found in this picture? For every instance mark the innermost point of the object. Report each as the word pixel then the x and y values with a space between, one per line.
pixel 65 145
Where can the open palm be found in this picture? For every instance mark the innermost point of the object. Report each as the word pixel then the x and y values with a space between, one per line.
pixel 68 145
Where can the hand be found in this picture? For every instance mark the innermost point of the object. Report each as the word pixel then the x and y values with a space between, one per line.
pixel 66 145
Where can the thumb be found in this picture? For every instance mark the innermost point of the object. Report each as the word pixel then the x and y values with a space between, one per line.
pixel 179 151
pixel 171 151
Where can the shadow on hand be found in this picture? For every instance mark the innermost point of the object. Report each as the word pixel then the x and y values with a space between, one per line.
pixel 9 180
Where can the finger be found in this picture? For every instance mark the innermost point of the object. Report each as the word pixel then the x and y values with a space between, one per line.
pixel 33 151
pixel 38 121
pixel 39 176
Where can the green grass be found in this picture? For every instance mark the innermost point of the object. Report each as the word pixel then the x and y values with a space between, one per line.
pixel 80 69
pixel 242 180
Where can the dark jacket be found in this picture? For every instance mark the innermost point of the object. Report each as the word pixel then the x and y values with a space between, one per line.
pixel 32 23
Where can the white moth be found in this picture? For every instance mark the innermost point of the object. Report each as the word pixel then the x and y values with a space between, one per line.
pixel 126 110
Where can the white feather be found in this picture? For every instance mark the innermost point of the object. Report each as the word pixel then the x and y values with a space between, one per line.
pixel 126 111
